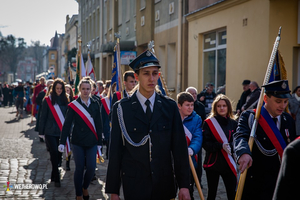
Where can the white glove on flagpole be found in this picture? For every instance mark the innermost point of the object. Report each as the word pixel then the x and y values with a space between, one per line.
pixel 61 148
pixel 191 152
pixel 227 148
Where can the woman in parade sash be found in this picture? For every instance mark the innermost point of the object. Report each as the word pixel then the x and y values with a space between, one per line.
pixel 218 131
pixel 54 108
pixel 84 113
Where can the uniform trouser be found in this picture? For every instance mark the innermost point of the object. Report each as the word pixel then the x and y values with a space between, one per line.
pixel 52 143
pixel 229 180
pixel 192 183
pixel 83 156
pixel 19 104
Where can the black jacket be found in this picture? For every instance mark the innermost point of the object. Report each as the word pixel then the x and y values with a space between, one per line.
pixel 82 135
pixel 140 177
pixel 243 99
pixel 262 175
pixel 288 179
pixel 47 123
pixel 214 157
pixel 251 102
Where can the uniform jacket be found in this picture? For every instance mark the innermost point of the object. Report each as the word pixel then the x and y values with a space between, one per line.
pixel 287 186
pixel 115 98
pixel 193 123
pixel 214 157
pixel 142 179
pixel 82 135
pixel 294 106
pixel 47 123
pixel 262 175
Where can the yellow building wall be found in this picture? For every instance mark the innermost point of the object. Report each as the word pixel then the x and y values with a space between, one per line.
pixel 285 14
pixel 248 46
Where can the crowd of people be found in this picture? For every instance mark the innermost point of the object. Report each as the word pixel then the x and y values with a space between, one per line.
pixel 149 136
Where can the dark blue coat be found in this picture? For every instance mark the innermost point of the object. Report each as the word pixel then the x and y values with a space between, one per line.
pixel 142 179
pixel 262 175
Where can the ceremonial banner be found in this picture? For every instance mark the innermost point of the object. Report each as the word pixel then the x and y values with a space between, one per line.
pixel 221 138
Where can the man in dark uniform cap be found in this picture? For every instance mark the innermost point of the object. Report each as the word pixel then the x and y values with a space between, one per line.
pixel 275 130
pixel 147 137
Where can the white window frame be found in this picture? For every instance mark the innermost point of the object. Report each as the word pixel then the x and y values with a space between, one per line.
pixel 218 47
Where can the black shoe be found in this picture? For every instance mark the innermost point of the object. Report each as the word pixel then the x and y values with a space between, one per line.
pixel 86 197
pixel 68 166
pixel 41 140
pixel 57 184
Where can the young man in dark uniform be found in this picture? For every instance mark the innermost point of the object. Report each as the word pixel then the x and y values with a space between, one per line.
pixel 147 137
pixel 275 130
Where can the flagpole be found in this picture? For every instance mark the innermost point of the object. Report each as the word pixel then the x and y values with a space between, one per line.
pixel 79 58
pixel 120 82
pixel 242 180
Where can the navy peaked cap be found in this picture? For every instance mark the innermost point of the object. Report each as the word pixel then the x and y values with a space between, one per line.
pixel 279 89
pixel 146 59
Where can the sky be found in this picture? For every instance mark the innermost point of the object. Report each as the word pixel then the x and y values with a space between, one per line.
pixel 35 20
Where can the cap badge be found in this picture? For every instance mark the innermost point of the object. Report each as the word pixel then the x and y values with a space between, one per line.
pixel 148 53
pixel 283 85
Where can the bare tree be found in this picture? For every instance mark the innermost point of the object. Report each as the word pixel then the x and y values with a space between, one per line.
pixel 11 51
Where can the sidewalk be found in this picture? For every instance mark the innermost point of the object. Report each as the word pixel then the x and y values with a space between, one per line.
pixel 25 160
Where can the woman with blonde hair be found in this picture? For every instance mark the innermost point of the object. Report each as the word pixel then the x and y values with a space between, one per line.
pixel 218 131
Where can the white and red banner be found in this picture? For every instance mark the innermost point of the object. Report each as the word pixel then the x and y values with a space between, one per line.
pixel 221 137
pixel 189 136
pixel 60 119
pixel 83 113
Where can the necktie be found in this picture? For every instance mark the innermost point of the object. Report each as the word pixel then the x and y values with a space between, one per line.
pixel 148 110
pixel 275 120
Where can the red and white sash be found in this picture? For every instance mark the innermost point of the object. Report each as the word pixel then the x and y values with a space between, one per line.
pixel 45 90
pixel 60 119
pixel 221 137
pixel 189 136
pixel 83 113
pixel 106 104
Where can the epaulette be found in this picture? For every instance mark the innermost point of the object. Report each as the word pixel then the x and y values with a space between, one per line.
pixel 165 97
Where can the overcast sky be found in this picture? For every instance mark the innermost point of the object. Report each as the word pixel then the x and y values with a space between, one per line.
pixel 35 19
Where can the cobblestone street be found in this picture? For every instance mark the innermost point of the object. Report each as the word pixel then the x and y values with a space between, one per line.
pixel 25 160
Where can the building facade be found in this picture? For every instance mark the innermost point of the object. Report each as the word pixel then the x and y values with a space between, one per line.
pixel 26 69
pixel 231 40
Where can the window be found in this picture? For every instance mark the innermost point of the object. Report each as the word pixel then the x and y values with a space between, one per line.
pixel 143 4
pixel 214 58
pixel 52 56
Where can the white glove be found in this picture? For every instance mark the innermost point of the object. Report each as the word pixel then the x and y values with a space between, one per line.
pixel 99 149
pixel 191 152
pixel 42 136
pixel 227 148
pixel 61 148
